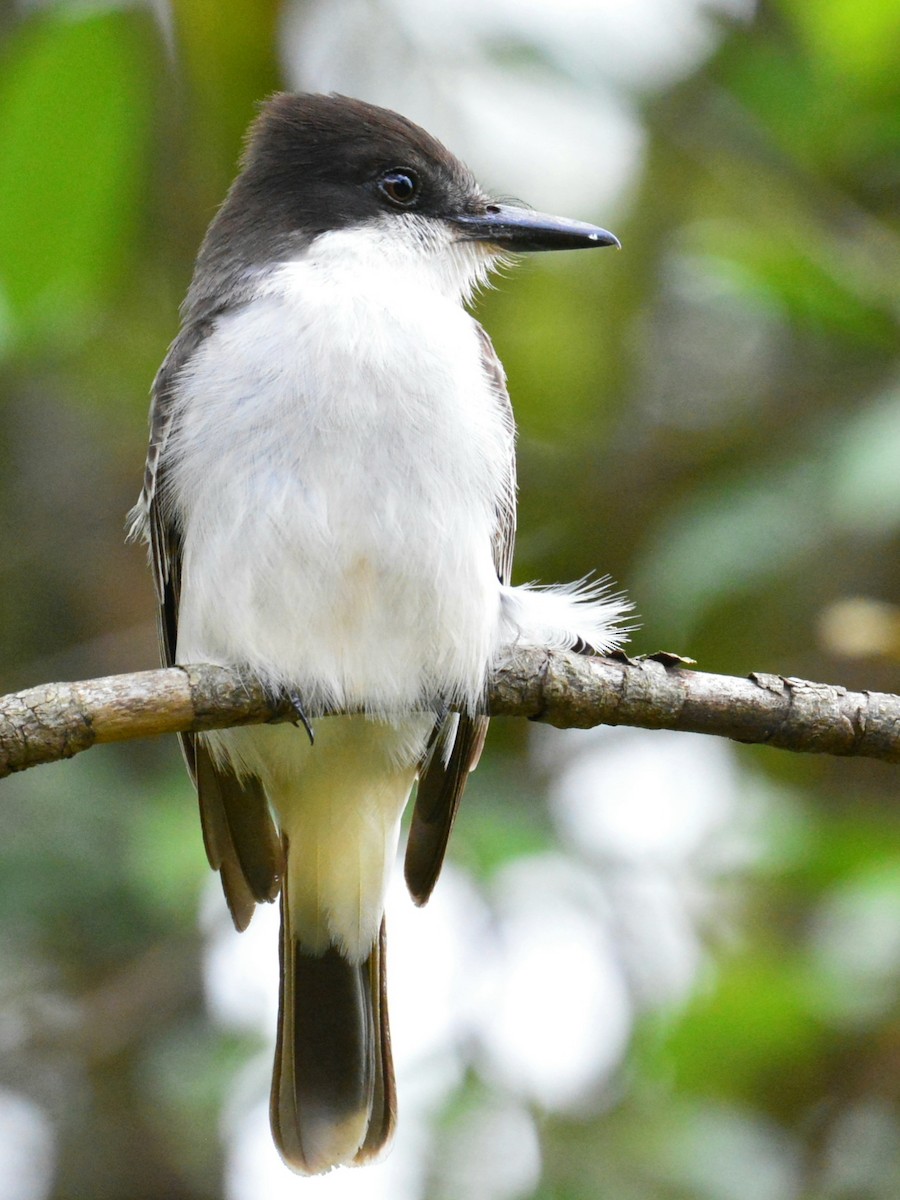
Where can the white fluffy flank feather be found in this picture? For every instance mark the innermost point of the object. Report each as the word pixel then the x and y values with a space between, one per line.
pixel 567 616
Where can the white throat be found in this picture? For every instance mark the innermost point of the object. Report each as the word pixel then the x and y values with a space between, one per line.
pixel 406 250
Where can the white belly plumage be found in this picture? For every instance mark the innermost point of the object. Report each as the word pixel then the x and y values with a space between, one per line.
pixel 342 548
pixel 343 544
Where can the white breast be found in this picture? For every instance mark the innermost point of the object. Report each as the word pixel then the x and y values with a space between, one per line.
pixel 338 467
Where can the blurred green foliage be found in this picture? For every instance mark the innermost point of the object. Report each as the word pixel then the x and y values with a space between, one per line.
pixel 73 156
pixel 713 417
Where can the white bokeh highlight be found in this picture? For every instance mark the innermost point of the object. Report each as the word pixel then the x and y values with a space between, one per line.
pixel 559 1015
pixel 661 816
pixel 538 96
pixel 27 1148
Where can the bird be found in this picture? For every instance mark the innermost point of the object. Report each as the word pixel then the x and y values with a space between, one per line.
pixel 329 502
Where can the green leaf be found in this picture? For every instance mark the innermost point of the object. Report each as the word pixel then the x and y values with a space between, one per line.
pixel 73 131
pixel 857 41
pixel 758 1021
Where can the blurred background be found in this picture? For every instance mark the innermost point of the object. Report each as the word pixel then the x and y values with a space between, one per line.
pixel 658 967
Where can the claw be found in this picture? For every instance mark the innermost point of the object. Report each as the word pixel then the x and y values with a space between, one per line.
pixel 300 717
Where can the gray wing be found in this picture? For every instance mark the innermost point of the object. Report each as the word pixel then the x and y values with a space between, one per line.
pixel 505 535
pixel 442 775
pixel 238 832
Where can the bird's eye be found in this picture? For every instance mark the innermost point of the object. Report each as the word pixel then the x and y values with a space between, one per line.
pixel 399 186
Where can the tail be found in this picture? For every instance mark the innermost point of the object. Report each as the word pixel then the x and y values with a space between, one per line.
pixel 333 1097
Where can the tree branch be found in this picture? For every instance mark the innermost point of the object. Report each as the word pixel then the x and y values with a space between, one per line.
pixel 57 720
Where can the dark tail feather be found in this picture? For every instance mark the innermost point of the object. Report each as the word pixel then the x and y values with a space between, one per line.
pixel 384 1099
pixel 333 1099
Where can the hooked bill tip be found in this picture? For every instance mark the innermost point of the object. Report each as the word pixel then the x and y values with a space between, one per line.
pixel 609 240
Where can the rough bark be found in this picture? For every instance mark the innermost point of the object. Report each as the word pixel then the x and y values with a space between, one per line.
pixel 57 720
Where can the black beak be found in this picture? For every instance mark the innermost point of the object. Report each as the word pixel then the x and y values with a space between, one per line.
pixel 520 229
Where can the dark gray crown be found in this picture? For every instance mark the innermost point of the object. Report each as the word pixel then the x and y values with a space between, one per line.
pixel 312 164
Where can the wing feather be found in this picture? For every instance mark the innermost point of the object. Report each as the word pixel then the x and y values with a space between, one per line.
pixel 457 741
pixel 239 835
